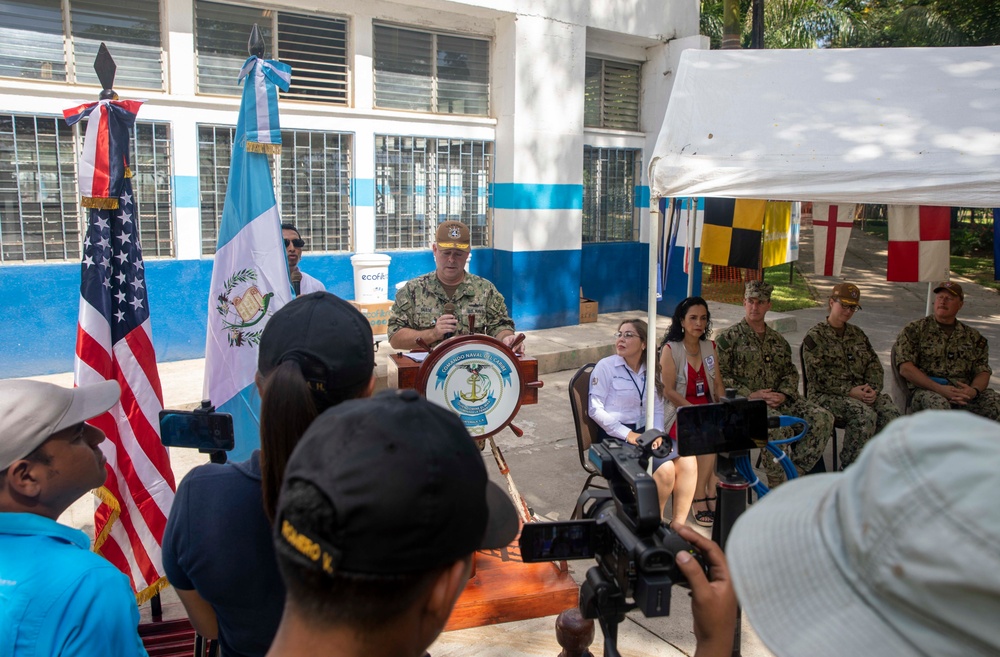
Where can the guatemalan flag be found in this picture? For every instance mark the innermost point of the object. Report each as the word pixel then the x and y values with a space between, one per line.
pixel 250 278
pixel 114 342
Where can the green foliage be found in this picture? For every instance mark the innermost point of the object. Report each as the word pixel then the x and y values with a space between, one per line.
pixel 789 296
pixel 862 23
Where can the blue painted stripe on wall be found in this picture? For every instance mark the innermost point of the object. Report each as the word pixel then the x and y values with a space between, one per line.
pixel 614 274
pixel 186 192
pixel 541 287
pixel 699 205
pixel 43 300
pixel 642 196
pixel 522 196
pixel 363 192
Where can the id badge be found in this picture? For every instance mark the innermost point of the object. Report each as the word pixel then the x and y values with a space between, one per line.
pixel 699 388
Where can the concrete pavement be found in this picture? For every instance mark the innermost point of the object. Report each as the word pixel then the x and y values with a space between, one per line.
pixel 544 461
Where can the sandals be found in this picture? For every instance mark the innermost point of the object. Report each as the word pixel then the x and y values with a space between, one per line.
pixel 704 518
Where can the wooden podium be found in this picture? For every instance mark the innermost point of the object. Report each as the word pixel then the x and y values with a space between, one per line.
pixel 502 588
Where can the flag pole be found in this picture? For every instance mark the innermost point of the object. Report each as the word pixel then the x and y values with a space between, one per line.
pixel 930 291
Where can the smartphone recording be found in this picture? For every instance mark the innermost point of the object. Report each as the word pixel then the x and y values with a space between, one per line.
pixel 209 432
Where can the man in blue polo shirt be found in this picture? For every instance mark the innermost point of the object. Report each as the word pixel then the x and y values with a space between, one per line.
pixel 56 596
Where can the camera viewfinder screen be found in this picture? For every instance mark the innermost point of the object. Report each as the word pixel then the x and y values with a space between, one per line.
pixel 550 541
pixel 722 427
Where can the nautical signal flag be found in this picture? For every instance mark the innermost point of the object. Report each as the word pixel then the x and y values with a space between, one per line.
pixel 832 226
pixel 919 239
pixel 781 234
pixel 732 232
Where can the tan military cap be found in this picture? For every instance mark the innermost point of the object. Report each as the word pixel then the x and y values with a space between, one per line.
pixel 848 294
pixel 452 235
pixel 952 287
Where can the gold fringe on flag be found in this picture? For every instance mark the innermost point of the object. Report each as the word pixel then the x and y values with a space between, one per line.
pixel 99 202
pixel 128 172
pixel 143 596
pixel 258 147
pixel 106 497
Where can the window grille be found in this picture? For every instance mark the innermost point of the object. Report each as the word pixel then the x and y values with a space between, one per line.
pixel 430 72
pixel 610 176
pixel 33 34
pixel 314 46
pixel 611 94
pixel 421 182
pixel 312 190
pixel 40 213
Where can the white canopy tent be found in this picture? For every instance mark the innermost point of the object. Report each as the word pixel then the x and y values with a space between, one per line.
pixel 888 125
pixel 882 125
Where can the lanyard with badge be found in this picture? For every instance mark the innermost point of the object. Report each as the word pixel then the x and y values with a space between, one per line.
pixel 642 392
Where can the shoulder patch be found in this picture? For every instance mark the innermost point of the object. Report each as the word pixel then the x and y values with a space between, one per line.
pixel 593 381
pixel 809 343
pixel 722 341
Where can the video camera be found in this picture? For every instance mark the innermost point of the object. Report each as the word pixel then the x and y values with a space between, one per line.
pixel 622 527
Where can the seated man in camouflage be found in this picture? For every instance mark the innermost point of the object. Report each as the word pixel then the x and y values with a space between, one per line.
pixel 756 361
pixel 437 305
pixel 946 363
pixel 845 375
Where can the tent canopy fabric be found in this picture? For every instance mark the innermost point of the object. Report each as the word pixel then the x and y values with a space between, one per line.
pixel 887 125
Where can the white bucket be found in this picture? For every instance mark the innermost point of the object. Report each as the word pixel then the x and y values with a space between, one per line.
pixel 371 277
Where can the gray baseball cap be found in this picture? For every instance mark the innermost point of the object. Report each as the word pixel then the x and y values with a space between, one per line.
pixel 897 555
pixel 31 411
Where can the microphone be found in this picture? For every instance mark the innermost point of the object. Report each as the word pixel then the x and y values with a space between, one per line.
pixel 449 309
pixel 296 277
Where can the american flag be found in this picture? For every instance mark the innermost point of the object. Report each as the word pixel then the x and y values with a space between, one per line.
pixel 114 341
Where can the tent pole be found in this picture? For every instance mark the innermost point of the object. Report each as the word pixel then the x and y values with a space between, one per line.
pixel 930 291
pixel 692 226
pixel 654 221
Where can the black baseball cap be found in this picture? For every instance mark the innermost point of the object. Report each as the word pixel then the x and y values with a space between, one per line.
pixel 408 488
pixel 329 338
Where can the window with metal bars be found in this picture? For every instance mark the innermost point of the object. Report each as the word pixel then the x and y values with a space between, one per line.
pixel 611 94
pixel 33 34
pixel 40 213
pixel 610 176
pixel 313 192
pixel 314 46
pixel 422 181
pixel 431 72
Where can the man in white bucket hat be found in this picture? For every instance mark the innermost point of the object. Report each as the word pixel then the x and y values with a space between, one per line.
pixel 897 555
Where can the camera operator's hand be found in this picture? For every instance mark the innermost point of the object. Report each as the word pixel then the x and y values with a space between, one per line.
pixel 713 602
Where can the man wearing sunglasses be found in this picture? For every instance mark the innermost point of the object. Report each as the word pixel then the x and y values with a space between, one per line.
pixel 439 304
pixel 845 375
pixel 302 282
pixel 945 362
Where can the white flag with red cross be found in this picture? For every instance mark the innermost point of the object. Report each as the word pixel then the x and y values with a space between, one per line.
pixel 832 226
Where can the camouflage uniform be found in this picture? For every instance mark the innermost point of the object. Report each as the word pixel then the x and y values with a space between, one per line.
pixel 421 301
pixel 834 365
pixel 958 357
pixel 749 362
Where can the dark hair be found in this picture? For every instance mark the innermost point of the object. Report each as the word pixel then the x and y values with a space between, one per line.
pixel 367 603
pixel 676 331
pixel 288 405
pixel 291 227
pixel 642 329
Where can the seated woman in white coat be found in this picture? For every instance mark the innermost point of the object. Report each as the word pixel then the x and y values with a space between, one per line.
pixel 618 398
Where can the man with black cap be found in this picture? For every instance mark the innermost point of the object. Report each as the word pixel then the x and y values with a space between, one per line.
pixel 437 305
pixel 945 362
pixel 844 373
pixel 384 502
pixel 56 596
